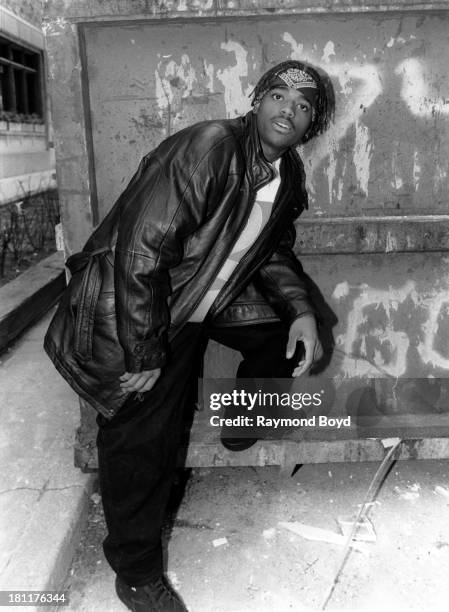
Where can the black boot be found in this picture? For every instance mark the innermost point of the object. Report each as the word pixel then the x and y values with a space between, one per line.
pixel 237 444
pixel 157 596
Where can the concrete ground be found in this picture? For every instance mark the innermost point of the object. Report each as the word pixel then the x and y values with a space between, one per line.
pixel 42 496
pixel 263 567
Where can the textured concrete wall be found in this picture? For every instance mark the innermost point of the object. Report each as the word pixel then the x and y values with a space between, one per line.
pixel 29 10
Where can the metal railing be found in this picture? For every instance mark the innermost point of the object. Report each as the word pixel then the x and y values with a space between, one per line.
pixel 27 228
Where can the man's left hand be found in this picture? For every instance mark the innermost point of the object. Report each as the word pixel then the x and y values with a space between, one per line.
pixel 304 330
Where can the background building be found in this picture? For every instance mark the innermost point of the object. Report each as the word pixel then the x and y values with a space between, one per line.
pixel 27 163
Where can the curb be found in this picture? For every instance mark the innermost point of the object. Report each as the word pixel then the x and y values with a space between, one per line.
pixel 28 297
pixel 44 499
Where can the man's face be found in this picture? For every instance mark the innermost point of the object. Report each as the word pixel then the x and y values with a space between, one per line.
pixel 283 117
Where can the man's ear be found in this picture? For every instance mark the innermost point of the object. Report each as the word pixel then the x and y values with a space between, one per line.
pixel 256 107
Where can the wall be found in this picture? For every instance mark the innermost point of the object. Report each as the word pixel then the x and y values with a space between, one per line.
pixel 376 236
pixel 387 150
pixel 29 10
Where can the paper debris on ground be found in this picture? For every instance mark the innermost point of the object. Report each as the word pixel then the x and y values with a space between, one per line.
pixel 389 442
pixel 442 491
pixel 411 494
pixel 364 532
pixel 219 542
pixel 316 533
pixel 269 534
pixel 96 498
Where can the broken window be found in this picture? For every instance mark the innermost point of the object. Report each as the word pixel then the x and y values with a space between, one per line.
pixel 20 81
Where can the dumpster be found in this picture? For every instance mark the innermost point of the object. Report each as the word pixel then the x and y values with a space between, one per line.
pixel 124 75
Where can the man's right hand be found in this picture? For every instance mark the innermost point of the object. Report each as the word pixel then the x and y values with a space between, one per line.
pixel 139 381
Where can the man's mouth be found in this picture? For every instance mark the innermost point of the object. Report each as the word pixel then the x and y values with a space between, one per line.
pixel 282 125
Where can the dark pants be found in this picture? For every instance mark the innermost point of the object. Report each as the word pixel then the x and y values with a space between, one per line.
pixel 138 448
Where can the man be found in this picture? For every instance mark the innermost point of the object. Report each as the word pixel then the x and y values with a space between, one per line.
pixel 199 245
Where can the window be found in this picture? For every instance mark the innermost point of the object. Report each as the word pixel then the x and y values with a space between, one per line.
pixel 20 80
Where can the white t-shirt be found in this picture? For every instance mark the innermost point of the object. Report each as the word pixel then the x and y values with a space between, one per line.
pixel 258 218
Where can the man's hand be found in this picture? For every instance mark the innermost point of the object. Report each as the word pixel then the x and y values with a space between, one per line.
pixel 304 330
pixel 139 381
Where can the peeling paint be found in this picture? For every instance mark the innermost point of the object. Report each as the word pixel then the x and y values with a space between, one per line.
pixel 174 81
pixel 332 168
pixel 364 85
pixel 421 95
pixel 329 50
pixel 416 170
pixel 297 51
pixel 363 151
pixel 396 181
pixel 234 95
pixel 426 349
pixel 341 290
pixel 207 72
pixel 391 243
pixel 359 360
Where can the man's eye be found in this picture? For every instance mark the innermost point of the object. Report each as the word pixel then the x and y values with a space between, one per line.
pixel 304 107
pixel 276 96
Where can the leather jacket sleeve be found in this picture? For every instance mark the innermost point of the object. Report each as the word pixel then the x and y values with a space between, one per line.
pixel 165 205
pixel 282 280
pixel 146 248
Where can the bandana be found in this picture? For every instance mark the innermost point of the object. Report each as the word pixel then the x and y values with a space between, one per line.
pixel 298 79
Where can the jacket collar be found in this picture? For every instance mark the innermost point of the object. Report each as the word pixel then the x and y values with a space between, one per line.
pixel 260 171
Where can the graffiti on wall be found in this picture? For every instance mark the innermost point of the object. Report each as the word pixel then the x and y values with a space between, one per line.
pixel 387 330
pixel 358 83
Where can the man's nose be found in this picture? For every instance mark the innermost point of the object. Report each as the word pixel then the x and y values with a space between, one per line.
pixel 288 109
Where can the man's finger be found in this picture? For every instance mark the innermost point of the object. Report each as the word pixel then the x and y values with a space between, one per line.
pixel 291 346
pixel 150 383
pixel 319 352
pixel 306 363
pixel 125 376
pixel 131 381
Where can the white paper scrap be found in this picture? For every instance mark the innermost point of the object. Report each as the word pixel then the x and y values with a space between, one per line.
pixel 442 491
pixel 389 442
pixel 219 542
pixel 316 533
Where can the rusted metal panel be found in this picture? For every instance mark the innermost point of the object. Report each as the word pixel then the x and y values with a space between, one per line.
pixel 384 159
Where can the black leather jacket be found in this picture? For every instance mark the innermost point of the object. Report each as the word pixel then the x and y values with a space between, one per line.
pixel 148 264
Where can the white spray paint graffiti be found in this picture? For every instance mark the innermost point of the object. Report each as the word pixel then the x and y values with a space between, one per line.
pixel 363 151
pixel 421 99
pixel 168 96
pixel 426 349
pixel 353 343
pixel 329 49
pixel 397 342
pixel 360 86
pixel 236 98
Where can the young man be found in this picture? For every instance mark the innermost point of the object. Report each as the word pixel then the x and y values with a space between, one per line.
pixel 199 245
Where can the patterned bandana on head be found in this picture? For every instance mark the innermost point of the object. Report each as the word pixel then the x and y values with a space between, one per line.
pixel 298 79
pixel 314 87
